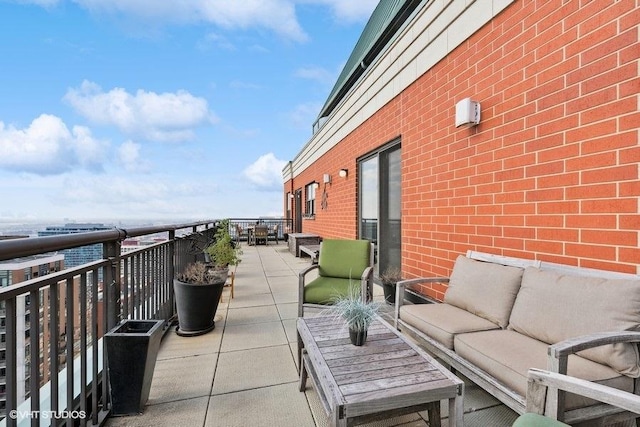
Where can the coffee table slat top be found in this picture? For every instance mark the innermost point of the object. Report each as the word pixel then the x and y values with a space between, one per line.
pixel 385 374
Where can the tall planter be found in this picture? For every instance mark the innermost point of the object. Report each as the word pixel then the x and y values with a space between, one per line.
pixel 196 305
pixel 389 293
pixel 132 348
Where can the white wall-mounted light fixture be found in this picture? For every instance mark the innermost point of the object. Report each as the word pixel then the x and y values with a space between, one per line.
pixel 467 112
pixel 343 173
pixel 291 195
pixel 326 178
pixel 316 185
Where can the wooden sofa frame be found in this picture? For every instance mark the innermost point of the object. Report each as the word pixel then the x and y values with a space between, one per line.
pixel 557 353
pixel 539 382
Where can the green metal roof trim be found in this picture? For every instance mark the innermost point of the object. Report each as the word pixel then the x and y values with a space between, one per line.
pixel 385 21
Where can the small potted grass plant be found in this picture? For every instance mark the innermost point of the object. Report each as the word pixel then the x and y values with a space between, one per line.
pixel 357 313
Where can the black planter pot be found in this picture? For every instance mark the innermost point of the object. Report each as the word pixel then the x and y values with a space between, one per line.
pixel 196 305
pixel 358 337
pixel 132 348
pixel 389 293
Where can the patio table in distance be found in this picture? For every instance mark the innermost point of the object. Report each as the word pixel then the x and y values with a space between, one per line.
pixel 388 376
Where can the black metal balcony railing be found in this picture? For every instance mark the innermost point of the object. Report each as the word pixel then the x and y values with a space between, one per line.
pixel 81 304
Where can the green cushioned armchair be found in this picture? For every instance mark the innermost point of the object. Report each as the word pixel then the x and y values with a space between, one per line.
pixel 342 264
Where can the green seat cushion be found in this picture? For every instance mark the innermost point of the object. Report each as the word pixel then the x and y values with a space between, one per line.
pixel 535 420
pixel 343 258
pixel 325 290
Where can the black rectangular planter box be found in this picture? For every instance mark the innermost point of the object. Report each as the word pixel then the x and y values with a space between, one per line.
pixel 132 348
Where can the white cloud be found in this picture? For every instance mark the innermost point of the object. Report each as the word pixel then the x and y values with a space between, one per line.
pixel 317 74
pixel 157 117
pixel 47 146
pixel 129 157
pixel 133 196
pixel 275 15
pixel 278 16
pixel 303 115
pixel 266 172
pixel 217 41
pixel 348 10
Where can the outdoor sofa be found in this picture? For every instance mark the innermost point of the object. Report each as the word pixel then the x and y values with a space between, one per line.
pixel 502 316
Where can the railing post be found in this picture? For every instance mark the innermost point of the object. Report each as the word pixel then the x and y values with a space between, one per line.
pixel 171 258
pixel 111 287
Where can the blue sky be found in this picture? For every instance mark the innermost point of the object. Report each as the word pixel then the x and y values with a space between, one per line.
pixel 161 110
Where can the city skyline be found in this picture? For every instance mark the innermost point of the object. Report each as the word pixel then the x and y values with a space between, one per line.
pixel 183 112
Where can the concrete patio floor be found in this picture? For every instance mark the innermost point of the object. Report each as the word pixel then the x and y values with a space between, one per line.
pixel 244 372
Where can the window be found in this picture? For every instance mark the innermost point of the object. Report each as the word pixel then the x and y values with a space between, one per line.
pixel 5 278
pixel 310 204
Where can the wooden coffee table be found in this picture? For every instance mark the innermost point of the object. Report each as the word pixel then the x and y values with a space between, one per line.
pixel 388 376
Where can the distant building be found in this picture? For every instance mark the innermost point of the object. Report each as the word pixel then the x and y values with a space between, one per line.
pixel 81 255
pixel 13 272
pixel 135 243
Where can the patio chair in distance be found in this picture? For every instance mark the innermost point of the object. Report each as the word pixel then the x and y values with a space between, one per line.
pixel 273 231
pixel 261 233
pixel 240 233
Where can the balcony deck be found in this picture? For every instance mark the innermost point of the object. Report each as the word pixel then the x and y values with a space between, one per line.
pixel 244 371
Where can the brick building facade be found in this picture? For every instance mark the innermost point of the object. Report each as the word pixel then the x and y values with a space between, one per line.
pixel 552 170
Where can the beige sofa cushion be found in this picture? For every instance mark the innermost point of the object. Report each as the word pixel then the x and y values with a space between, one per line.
pixel 508 355
pixel 552 307
pixel 443 321
pixel 484 289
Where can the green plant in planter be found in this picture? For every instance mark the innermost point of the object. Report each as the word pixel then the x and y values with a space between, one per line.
pixel 199 273
pixel 357 314
pixel 223 251
pixel 197 291
pixel 389 278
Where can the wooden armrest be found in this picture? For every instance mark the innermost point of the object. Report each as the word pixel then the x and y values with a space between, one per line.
pixel 366 284
pixel 540 379
pixel 574 345
pixel 307 270
pixel 559 357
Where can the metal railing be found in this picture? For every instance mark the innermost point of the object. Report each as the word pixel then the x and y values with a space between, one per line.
pixel 69 312
pixel 284 227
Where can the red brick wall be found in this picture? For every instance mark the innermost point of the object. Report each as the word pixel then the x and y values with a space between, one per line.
pixel 551 172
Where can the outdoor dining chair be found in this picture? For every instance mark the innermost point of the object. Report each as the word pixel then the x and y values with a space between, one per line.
pixel 240 233
pixel 273 231
pixel 260 234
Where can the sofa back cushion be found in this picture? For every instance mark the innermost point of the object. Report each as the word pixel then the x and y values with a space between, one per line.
pixel 552 307
pixel 485 289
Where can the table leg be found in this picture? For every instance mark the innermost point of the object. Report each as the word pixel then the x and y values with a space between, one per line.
pixel 300 347
pixel 338 417
pixel 434 414
pixel 303 375
pixel 456 409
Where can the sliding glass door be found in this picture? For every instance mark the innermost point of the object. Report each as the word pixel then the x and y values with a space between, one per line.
pixel 379 204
